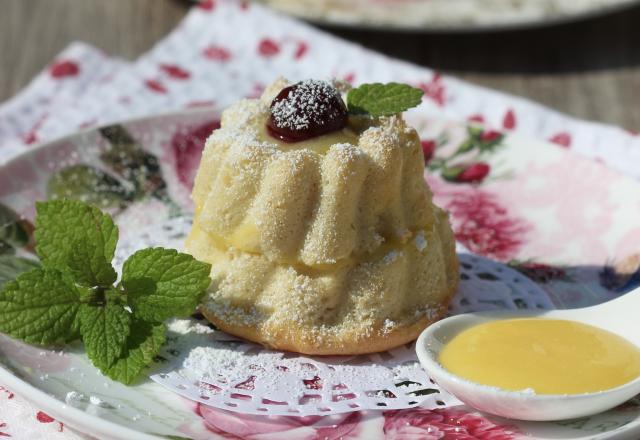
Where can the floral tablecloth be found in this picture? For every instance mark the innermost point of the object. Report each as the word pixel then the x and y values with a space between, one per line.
pixel 225 50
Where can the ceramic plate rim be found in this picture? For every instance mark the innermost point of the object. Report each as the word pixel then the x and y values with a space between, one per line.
pixel 76 418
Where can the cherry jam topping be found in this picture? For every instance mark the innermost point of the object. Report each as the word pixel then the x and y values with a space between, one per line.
pixel 305 110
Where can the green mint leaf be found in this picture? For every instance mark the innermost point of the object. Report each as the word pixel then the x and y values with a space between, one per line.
pixel 88 265
pixel 66 228
pixel 142 346
pixel 378 99
pixel 163 283
pixel 39 307
pixel 104 330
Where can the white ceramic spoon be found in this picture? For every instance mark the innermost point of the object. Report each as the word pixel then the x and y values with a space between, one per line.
pixel 620 316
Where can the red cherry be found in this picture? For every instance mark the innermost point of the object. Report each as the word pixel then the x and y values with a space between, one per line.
pixel 305 110
pixel 474 173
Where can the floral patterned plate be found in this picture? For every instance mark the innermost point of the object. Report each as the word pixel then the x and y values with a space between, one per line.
pixel 567 222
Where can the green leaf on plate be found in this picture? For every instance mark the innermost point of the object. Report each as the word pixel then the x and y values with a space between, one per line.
pixel 163 283
pixel 39 307
pixel 69 231
pixel 104 330
pixel 141 347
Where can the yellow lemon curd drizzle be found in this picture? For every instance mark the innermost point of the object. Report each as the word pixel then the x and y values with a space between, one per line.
pixel 550 356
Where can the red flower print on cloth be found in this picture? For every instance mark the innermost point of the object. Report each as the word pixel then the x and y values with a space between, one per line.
pixel 509 120
pixel 46 418
pixel 490 135
pixel 175 72
pixel 64 68
pixel 2 433
pixel 186 147
pixel 434 89
pixel 428 149
pixel 268 48
pixel 7 392
pixel 301 50
pixel 235 426
pixel 563 139
pixel 206 5
pixel 481 223
pixel 216 53
pixel 443 424
pixel 476 118
pixel 474 173
pixel 155 86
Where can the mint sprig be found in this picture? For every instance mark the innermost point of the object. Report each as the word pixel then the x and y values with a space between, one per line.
pixel 73 295
pixel 378 99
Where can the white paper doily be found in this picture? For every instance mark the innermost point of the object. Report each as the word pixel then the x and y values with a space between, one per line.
pixel 216 369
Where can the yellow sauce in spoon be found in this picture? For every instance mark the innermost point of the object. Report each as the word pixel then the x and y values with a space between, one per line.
pixel 550 356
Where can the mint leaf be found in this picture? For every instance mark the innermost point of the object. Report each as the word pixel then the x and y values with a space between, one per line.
pixel 88 265
pixel 142 346
pixel 66 228
pixel 163 283
pixel 378 99
pixel 39 307
pixel 104 330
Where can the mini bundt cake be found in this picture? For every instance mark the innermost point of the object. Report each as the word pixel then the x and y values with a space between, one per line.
pixel 324 244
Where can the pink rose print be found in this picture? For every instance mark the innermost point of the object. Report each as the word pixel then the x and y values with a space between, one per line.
pixel 563 139
pixel 64 68
pixel 474 173
pixel 482 224
pixel 186 147
pixel 428 149
pixel 268 48
pixel 175 72
pixel 434 89
pixel 235 426
pixel 509 121
pixel 155 86
pixel 216 53
pixel 443 424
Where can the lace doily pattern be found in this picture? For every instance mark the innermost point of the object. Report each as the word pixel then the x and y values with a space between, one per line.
pixel 216 369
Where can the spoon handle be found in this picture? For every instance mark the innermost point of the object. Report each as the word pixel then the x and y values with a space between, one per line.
pixel 619 315
pixel 626 304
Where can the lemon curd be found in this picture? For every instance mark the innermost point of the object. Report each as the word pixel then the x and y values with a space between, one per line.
pixel 549 356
